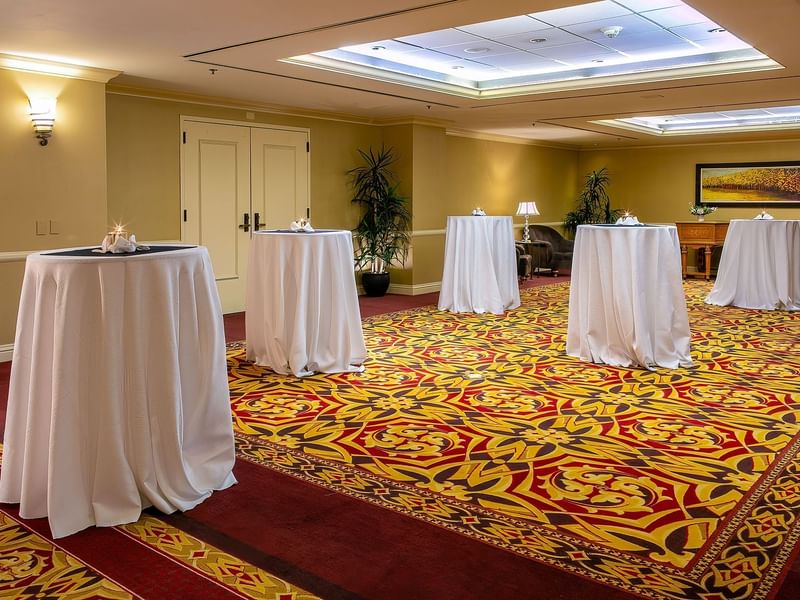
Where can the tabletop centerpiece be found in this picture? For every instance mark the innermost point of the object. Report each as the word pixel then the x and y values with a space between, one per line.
pixel 119 241
pixel 701 210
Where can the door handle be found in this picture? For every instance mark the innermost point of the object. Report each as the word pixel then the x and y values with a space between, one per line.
pixel 246 224
pixel 257 224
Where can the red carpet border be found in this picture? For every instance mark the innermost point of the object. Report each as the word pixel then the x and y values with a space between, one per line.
pixel 669 484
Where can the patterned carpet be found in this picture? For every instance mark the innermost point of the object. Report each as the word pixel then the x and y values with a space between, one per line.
pixel 668 483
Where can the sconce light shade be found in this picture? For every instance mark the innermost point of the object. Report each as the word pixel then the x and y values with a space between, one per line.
pixel 526 209
pixel 43 115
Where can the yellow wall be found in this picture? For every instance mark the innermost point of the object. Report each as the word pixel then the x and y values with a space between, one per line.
pixel 115 157
pixel 63 182
pixel 144 161
pixel 657 184
pixel 497 176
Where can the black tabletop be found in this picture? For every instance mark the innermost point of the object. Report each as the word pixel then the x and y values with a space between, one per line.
pixel 91 251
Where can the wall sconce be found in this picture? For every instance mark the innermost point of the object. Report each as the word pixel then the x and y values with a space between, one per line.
pixel 526 209
pixel 43 115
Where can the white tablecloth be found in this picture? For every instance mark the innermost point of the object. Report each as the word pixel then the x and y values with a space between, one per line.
pixel 302 313
pixel 626 301
pixel 118 397
pixel 759 266
pixel 480 266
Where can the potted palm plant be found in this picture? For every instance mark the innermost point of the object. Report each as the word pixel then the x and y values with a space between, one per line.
pixel 382 235
pixel 594 205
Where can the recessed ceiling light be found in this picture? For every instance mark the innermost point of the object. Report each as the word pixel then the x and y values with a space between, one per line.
pixel 378 48
pixel 477 50
pixel 537 40
pixel 717 30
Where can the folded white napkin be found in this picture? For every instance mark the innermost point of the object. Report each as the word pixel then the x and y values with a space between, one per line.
pixel 629 220
pixel 119 246
pixel 301 226
pixel 763 215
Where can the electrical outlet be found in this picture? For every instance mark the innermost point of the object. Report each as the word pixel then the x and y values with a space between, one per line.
pixel 42 227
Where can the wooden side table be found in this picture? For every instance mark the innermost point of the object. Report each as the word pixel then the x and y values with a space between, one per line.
pixel 702 235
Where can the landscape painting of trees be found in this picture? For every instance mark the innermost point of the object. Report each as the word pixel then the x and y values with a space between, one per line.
pixel 748 184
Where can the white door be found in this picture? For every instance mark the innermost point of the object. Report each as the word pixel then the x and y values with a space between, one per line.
pixel 232 177
pixel 216 188
pixel 279 179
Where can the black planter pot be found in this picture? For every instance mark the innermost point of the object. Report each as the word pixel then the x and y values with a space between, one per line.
pixel 375 284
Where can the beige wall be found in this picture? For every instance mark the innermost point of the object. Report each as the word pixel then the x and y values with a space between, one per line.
pixel 115 157
pixel 144 161
pixel 657 184
pixel 63 182
pixel 497 176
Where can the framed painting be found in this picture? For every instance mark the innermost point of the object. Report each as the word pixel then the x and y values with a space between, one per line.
pixel 762 184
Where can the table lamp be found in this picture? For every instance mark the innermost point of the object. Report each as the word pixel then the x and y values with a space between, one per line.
pixel 526 209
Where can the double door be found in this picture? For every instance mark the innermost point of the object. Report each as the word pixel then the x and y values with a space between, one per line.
pixel 238 179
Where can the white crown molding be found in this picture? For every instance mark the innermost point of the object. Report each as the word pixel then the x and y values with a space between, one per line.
pixel 56 69
pixel 219 102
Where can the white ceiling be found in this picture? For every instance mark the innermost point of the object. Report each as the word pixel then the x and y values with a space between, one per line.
pixel 173 45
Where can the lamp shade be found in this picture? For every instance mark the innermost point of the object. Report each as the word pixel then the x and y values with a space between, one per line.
pixel 526 209
pixel 43 115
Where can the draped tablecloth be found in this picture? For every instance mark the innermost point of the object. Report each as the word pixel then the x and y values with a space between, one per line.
pixel 480 266
pixel 626 302
pixel 760 266
pixel 118 396
pixel 302 313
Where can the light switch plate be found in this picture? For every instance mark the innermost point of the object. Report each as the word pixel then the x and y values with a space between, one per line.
pixel 55 227
pixel 42 227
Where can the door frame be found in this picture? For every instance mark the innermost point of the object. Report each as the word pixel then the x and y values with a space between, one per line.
pixel 193 119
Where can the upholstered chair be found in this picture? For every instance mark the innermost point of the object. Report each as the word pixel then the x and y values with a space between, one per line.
pixel 550 250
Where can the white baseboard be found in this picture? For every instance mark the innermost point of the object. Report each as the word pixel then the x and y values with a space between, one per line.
pixel 403 289
pixel 6 350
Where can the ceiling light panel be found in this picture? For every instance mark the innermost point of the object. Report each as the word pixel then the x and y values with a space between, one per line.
pixel 504 27
pixel 579 52
pixel 675 16
pixel 439 39
pixel 757 119
pixel 631 25
pixel 551 36
pixel 655 43
pixel 583 13
pixel 476 49
pixel 643 5
pixel 599 43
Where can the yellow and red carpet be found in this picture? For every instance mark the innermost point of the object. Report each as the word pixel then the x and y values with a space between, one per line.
pixel 474 459
pixel 669 483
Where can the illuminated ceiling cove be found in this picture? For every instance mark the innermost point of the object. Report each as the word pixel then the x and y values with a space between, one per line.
pixel 760 119
pixel 610 42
